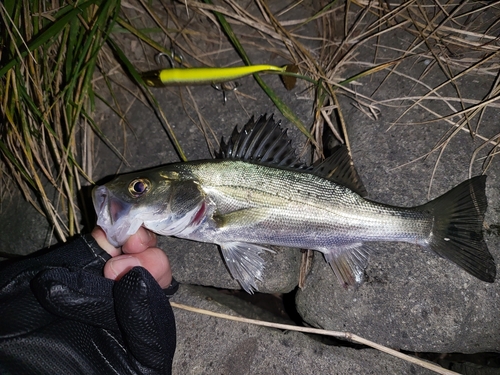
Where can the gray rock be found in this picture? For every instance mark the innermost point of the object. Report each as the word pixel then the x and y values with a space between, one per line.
pixel 408 302
pixel 208 345
pixel 22 229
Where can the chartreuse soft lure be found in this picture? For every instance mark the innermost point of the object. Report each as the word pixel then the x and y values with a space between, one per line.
pixel 210 76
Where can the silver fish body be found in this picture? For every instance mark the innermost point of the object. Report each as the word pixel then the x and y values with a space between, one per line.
pixel 260 204
pixel 252 198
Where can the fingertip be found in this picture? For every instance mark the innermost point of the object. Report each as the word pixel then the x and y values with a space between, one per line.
pixel 154 260
pixel 165 276
pixel 139 242
pixel 101 239
pixel 118 266
pixel 158 265
pixel 147 237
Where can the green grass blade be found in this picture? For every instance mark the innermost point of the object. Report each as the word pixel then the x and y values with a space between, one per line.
pixel 139 34
pixel 54 29
pixel 368 72
pixel 316 15
pixel 12 158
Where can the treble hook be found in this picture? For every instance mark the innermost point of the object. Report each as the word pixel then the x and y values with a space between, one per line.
pixel 170 57
pixel 226 87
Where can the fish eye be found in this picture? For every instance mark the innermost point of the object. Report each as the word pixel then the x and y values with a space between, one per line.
pixel 138 187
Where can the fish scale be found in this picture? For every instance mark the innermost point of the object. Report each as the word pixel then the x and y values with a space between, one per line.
pixel 328 215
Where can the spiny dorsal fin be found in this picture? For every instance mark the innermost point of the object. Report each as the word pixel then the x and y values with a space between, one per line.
pixel 264 141
pixel 261 141
pixel 339 168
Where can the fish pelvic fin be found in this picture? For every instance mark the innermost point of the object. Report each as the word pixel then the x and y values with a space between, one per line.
pixel 457 232
pixel 348 262
pixel 244 262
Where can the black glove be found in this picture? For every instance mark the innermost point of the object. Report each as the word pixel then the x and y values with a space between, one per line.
pixel 59 315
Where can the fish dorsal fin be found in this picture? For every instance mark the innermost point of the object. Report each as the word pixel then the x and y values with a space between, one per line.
pixel 339 168
pixel 262 141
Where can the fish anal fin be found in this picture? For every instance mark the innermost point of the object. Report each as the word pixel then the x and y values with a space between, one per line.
pixel 244 262
pixel 339 168
pixel 348 262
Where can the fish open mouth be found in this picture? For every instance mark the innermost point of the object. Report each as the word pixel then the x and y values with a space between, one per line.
pixel 100 197
pixel 112 216
pixel 109 208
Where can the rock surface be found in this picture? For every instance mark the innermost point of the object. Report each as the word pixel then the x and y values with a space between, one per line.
pixel 208 345
pixel 22 229
pixel 413 304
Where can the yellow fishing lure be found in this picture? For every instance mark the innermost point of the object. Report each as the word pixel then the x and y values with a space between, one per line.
pixel 207 76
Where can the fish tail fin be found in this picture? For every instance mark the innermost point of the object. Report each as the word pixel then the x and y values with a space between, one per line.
pixel 457 232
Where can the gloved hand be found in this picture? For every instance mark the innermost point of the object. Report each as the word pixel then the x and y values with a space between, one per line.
pixel 59 315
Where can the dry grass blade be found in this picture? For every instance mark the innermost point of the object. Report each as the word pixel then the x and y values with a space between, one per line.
pixel 459 40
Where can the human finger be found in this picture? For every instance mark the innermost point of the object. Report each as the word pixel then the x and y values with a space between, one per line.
pixel 152 259
pixel 139 242
pixel 101 239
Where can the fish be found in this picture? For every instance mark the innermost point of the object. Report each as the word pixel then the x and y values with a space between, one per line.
pixel 256 194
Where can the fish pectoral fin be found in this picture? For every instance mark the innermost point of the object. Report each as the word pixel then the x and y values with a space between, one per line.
pixel 348 262
pixel 244 263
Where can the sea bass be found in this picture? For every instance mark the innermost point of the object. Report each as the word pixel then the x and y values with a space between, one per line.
pixel 254 194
